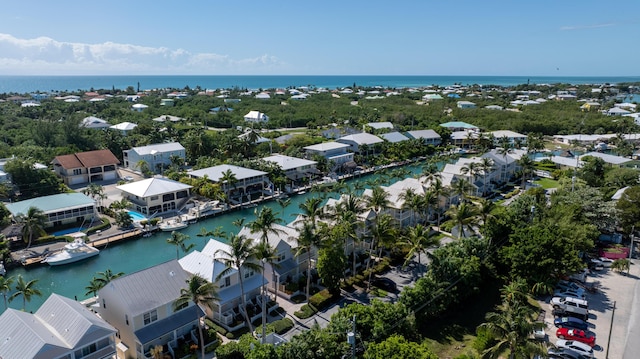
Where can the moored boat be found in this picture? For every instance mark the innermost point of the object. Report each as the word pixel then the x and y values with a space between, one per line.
pixel 72 252
pixel 172 225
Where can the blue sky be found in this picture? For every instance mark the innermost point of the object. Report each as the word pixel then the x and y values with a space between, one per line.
pixel 419 37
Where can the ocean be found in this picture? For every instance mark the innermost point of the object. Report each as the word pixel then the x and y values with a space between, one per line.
pixel 30 84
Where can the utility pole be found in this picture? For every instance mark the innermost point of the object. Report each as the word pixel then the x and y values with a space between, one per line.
pixel 613 312
pixel 351 338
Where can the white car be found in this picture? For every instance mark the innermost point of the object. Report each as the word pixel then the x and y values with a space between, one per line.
pixel 577 347
pixel 570 293
pixel 607 262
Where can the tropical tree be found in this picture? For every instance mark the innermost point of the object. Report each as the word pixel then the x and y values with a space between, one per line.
pixel 512 330
pixel 229 180
pixel 107 276
pixel 487 166
pixel 384 231
pixel 312 209
pixel 241 255
pixel 418 239
pixel 461 188
pixel 307 240
pixel 5 287
pixel 94 286
pixel 178 239
pixel 123 219
pixel 96 192
pixel 463 216
pixel 527 167
pixel 26 290
pixel 200 292
pixel 621 265
pixel 32 224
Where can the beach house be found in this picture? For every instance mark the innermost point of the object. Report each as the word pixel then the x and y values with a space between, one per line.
pixel 59 209
pixel 361 142
pixel 428 137
pixel 86 167
pixel 156 157
pixel 335 152
pixel 236 181
pixel 60 328
pixel 294 168
pixel 156 195
pixel 256 117
pixel 124 127
pixel 140 306
pixel 94 123
pixel 227 311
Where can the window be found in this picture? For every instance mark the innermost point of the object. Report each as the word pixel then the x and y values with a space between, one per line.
pixel 248 274
pixel 150 317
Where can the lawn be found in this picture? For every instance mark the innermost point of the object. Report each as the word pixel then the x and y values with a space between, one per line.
pixel 547 183
pixel 449 340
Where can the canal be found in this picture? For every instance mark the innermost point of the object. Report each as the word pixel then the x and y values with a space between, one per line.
pixel 138 254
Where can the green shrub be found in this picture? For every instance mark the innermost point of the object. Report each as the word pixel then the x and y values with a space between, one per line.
pixel 321 299
pixel 215 326
pixel 306 311
pixel 282 326
pixel 230 335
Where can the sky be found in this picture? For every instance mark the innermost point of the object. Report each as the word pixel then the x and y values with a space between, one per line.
pixel 328 37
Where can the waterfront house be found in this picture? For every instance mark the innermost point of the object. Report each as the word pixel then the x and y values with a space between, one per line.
pixel 60 328
pixel 94 123
pixel 247 181
pixel 140 306
pixel 612 160
pixel 394 137
pixel 124 127
pixel 156 195
pixel 59 209
pixel 256 117
pixel 157 156
pixel 428 137
pixel 506 163
pixel 227 310
pixel 287 267
pixel 358 141
pixel 335 153
pixel 464 139
pixel 294 168
pixel 86 167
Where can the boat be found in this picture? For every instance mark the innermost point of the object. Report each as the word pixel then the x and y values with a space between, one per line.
pixel 2 270
pixel 72 252
pixel 172 225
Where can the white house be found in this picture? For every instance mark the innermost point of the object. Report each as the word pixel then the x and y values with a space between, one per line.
pixel 357 140
pixel 59 209
pixel 256 117
pixel 294 168
pixel 335 152
pixel 60 328
pixel 465 104
pixel 511 136
pixel 247 181
pixel 429 137
pixel 380 125
pixel 86 167
pixel 156 156
pixel 139 107
pixel 394 137
pixel 124 127
pixel 94 122
pixel 156 195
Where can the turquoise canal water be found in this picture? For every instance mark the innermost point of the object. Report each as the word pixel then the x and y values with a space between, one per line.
pixel 137 254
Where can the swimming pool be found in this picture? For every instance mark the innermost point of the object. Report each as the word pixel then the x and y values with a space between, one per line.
pixel 66 231
pixel 137 217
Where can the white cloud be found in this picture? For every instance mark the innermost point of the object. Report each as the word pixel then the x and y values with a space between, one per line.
pixel 583 27
pixel 46 56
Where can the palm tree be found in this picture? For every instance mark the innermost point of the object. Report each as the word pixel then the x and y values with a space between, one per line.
pixel 621 265
pixel 5 287
pixel 265 223
pixel 385 232
pixel 487 166
pixel 96 192
pixel 200 292
pixel 463 216
pixel 107 276
pixel 94 286
pixel 178 239
pixel 418 239
pixel 241 255
pixel 32 224
pixel 26 290
pixel 156 352
pixel 229 180
pixel 512 330
pixel 307 240
pixel 378 200
pixel 411 201
pixel 311 209
pixel 485 209
pixel 527 167
pixel 461 188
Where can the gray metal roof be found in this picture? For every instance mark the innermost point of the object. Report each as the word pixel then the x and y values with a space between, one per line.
pixel 75 324
pixel 51 203
pixel 427 134
pixel 288 162
pixel 150 288
pixel 612 159
pixel 159 147
pixel 361 138
pixel 23 335
pixel 215 173
pixel 394 137
pixel 164 326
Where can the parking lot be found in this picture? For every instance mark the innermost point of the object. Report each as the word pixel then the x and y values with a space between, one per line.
pixel 613 288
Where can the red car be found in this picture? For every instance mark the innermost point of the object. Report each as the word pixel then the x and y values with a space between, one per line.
pixel 577 335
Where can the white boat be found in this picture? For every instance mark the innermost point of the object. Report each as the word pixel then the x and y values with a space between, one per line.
pixel 72 252
pixel 172 225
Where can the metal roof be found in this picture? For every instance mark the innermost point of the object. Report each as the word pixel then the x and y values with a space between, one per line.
pixel 394 137
pixel 153 187
pixel 288 162
pixel 158 147
pixel 215 173
pixel 51 203
pixel 361 138
pixel 428 134
pixel 148 289
pixel 325 146
pixel 167 325
pixel 202 264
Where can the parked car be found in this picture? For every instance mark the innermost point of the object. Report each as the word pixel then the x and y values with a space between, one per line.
pixel 596 264
pixel 385 284
pixel 607 262
pixel 577 335
pixel 578 347
pixel 561 353
pixel 570 322
pixel 566 285
pixel 570 293
pixel 557 312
